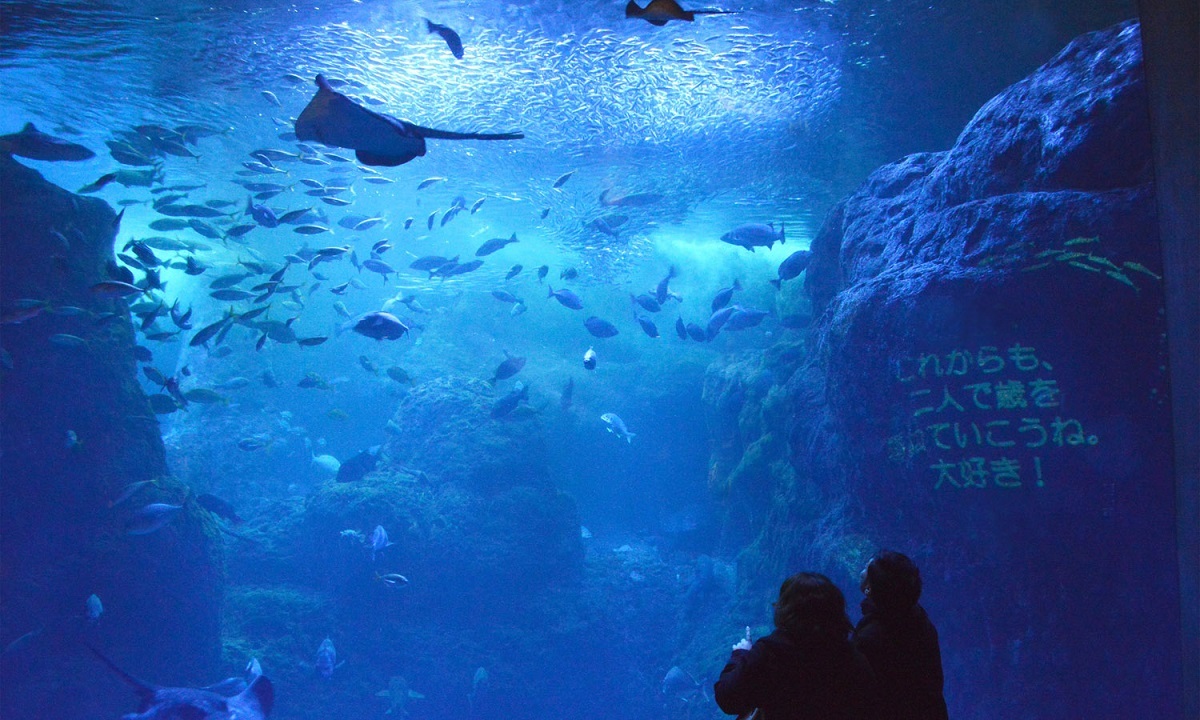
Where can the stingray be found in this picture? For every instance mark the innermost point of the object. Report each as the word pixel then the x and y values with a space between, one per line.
pixel 376 139
pixel 660 12
pixel 37 145
pixel 172 703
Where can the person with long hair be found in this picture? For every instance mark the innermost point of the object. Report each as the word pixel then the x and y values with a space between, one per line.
pixel 807 668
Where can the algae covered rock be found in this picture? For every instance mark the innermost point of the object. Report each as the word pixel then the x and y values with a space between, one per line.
pixel 78 429
pixel 445 539
pixel 989 388
pixel 446 428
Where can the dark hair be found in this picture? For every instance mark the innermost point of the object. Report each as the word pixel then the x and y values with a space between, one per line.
pixel 810 604
pixel 895 581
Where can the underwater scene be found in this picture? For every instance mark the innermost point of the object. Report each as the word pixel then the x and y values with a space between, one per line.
pixel 463 360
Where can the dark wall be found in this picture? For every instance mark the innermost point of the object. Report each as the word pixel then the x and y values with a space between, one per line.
pixel 1047 556
pixel 69 366
pixel 1171 35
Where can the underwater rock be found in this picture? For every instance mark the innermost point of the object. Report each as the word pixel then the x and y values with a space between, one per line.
pixel 61 541
pixel 988 394
pixel 447 431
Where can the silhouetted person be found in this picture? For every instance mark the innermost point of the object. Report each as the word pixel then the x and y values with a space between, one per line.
pixel 899 641
pixel 807 668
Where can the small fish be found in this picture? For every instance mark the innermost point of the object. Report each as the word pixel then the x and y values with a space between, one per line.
pixel 511 366
pixel 680 684
pixel 130 490
pixel 542 272
pixel 250 444
pixel 542 215
pixel 94 608
pixel 589 359
pixel 392 580
pixel 566 298
pixel 616 426
pixel 453 41
pixel 262 214
pixel 231 295
pixel 662 291
pixel 505 296
pixel 513 272
pixel 428 182
pixel 271 98
pixel 648 326
pixel 721 299
pixel 568 274
pixel 327 659
pixel 311 381
pixel 646 301
pixel 168 224
pixel 204 396
pixel 68 341
pixel 151 518
pixel 1138 267
pixel 495 244
pixel 509 402
pixel 478 204
pixel 743 318
pixel 115 289
pixel 218 507
pixel 379 541
pixel 400 375
pixel 99 183
pixel 562 179
pixel 73 442
pixel 791 267
pixel 310 229
pixel 599 327
pixel 293 216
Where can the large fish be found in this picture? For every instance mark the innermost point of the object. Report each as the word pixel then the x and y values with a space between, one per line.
pixel 377 139
pixel 792 266
pixel 37 145
pixel 660 12
pixel 168 703
pixel 753 235
pixel 453 41
pixel 381 326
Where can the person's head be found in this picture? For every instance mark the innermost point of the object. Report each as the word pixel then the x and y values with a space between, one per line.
pixel 892 581
pixel 810 604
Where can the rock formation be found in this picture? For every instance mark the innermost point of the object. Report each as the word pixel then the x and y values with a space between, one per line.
pixel 69 367
pixel 987 394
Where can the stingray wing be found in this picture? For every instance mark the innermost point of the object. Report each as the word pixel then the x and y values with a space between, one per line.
pixel 451 135
pixel 333 119
pixel 257 700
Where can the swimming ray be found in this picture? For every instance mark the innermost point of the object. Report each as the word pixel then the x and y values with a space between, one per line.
pixel 377 139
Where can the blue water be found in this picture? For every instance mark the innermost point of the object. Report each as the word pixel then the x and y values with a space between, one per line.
pixel 767 116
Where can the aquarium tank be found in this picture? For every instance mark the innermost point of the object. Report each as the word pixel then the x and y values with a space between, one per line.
pixel 478 360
